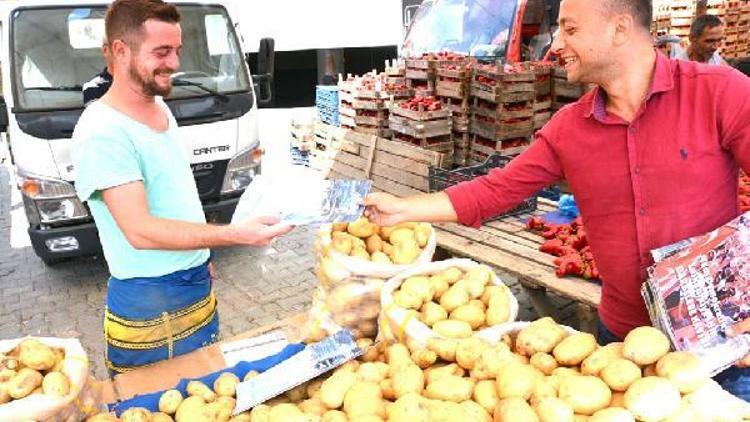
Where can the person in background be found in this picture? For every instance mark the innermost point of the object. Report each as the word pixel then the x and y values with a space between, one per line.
pixel 134 173
pixel 669 45
pixel 99 84
pixel 706 35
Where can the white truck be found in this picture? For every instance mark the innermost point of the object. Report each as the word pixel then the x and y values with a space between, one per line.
pixel 49 49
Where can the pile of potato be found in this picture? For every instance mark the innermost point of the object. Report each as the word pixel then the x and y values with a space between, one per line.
pixel 455 303
pixel 351 279
pixel 202 404
pixel 32 368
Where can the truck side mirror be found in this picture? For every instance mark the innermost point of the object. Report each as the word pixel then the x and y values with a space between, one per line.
pixel 3 115
pixel 263 80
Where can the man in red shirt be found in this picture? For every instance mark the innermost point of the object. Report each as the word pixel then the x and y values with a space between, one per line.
pixel 652 154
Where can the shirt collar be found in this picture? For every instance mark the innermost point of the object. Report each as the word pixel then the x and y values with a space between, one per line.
pixel 663 80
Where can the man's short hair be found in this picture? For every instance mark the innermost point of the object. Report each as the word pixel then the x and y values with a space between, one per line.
pixel 125 18
pixel 640 10
pixel 701 23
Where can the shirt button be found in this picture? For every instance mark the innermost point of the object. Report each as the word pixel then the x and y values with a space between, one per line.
pixel 642 211
pixel 632 129
pixel 637 170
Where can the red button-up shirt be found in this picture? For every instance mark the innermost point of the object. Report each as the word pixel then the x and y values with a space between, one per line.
pixel 670 174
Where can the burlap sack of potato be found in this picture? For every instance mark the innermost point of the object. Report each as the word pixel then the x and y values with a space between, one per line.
pixel 353 261
pixel 410 324
pixel 76 405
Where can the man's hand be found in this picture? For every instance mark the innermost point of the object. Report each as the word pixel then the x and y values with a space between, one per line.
pixel 742 327
pixel 385 209
pixel 259 231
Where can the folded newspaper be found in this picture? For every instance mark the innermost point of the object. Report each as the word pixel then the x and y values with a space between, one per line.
pixel 699 287
pixel 300 198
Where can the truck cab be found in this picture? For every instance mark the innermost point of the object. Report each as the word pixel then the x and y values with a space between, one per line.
pixel 506 30
pixel 49 49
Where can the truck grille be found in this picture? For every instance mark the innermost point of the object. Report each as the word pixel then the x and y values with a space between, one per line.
pixel 209 178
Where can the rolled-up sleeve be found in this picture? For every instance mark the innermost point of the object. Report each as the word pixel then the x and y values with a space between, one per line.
pixel 503 189
pixel 734 118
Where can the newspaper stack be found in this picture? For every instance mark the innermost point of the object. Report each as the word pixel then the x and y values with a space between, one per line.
pixel 698 288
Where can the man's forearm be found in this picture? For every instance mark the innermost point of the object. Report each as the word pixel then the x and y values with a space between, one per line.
pixel 162 233
pixel 431 207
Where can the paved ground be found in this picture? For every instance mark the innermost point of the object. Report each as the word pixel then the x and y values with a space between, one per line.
pixel 255 286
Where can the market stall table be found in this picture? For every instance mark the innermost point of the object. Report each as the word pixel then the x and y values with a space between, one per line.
pixel 507 245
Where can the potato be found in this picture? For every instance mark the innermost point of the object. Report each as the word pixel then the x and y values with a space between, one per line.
pixel 56 384
pixel 407 299
pixel 444 347
pixel 374 244
pixel 334 416
pixel 197 388
pixel 297 394
pixel 103 417
pixel 372 371
pixel 388 250
pixel 517 381
pixel 618 399
pixel 313 387
pixel 439 285
pixel 514 410
pixel 226 384
pixel 334 389
pixel 189 406
pixel 219 410
pixel 398 354
pixel 541 335
pixel 684 369
pixel 453 298
pixel 543 362
pixel 469 350
pixel 7 374
pixel 450 388
pixel 552 409
pixel 36 355
pixel 363 399
pixel 620 374
pixel 250 375
pixel 498 311
pixel 313 406
pixel 424 358
pixel 469 313
pixel 600 358
pixel 361 253
pixel 361 228
pixel 475 412
pixel 381 258
pixel 4 396
pixel 260 413
pixel 612 414
pixel 645 345
pixel 409 379
pixel 23 383
pixel 436 372
pixel 586 394
pixel 422 234
pixel 485 394
pixel 163 417
pixel 401 235
pixel 652 398
pixel 136 414
pixel 339 227
pixel 452 275
pixel 170 401
pixel 420 286
pixel 405 252
pixel 572 350
pixel 284 412
pixel 342 244
pixel 453 329
pixel 493 290
pixel 491 361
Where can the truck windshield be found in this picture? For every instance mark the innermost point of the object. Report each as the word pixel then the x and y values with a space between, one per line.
pixel 476 27
pixel 57 50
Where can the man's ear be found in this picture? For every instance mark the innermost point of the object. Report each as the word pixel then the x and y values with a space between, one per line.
pixel 119 50
pixel 624 26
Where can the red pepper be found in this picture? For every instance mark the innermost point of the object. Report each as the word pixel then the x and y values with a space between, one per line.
pixel 535 223
pixel 569 265
pixel 552 247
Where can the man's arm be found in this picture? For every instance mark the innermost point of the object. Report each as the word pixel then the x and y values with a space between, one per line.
pixel 733 115
pixel 129 207
pixel 472 202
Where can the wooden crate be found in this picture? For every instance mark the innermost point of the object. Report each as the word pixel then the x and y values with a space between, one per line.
pixel 461 148
pixel 495 85
pixel 394 167
pixel 461 112
pixel 502 130
pixel 481 147
pixel 453 83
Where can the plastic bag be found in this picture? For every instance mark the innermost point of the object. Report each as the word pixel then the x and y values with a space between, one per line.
pixel 350 287
pixel 300 198
pixel 80 402
pixel 397 324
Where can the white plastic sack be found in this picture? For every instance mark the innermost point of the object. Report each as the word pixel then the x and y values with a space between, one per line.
pixel 402 326
pixel 41 407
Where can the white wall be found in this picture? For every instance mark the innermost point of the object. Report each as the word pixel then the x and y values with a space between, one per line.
pixel 314 24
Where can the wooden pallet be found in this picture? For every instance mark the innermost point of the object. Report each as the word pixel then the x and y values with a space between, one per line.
pixel 506 245
pixel 393 167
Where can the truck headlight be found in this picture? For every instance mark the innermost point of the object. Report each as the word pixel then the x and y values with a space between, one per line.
pixel 55 199
pixel 241 170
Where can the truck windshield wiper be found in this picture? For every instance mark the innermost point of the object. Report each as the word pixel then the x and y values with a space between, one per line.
pixel 184 82
pixel 54 88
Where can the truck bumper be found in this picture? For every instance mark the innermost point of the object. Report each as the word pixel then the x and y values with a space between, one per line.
pixel 57 243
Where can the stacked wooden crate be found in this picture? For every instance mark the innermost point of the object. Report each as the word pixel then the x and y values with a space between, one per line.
pixel 743 28
pixel 502 112
pixel 542 93
pixel 564 92
pixel 420 75
pixel 736 15
pixel 327 141
pixel 453 88
pixel 365 100
pixel 681 16
pixel 661 17
pixel 395 72
pixel 393 166
pixel 423 122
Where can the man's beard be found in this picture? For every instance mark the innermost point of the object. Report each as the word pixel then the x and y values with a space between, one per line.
pixel 149 86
